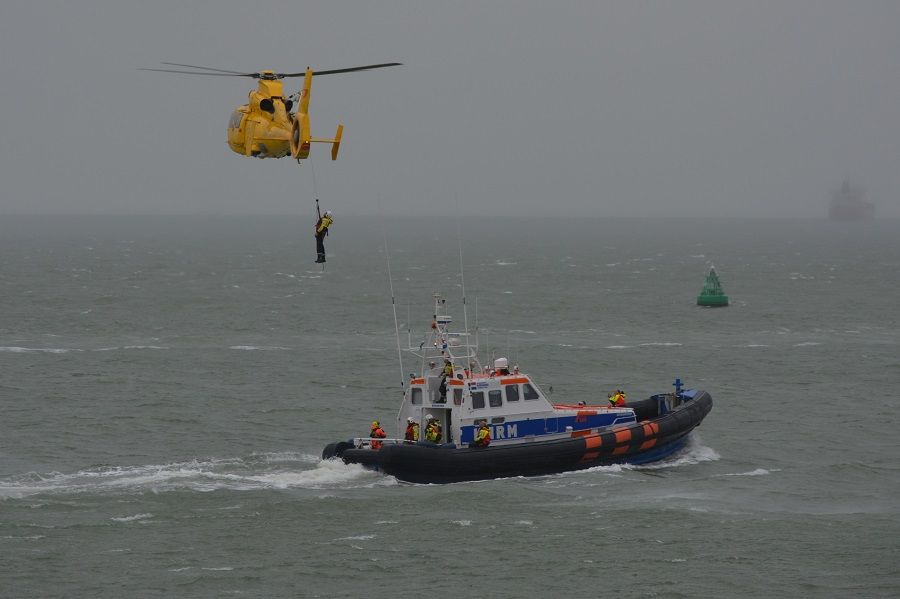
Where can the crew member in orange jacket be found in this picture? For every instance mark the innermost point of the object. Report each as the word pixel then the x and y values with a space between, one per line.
pixel 412 430
pixel 377 433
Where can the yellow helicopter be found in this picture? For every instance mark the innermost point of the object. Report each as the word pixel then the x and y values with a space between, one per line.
pixel 265 127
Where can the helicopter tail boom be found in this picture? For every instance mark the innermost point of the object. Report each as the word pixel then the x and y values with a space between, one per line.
pixel 304 93
pixel 300 136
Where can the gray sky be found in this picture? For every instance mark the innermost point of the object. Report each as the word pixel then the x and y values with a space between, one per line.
pixel 528 107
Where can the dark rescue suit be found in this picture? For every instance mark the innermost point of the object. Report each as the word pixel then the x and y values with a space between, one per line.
pixel 412 431
pixel 321 231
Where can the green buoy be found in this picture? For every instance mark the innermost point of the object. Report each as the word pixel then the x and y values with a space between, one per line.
pixel 712 294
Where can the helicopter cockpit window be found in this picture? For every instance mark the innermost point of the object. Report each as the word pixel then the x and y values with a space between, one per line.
pixel 235 121
pixel 267 105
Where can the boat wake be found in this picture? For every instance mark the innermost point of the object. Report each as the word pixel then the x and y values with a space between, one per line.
pixel 692 453
pixel 283 470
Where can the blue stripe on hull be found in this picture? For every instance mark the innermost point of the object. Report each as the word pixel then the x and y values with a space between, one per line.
pixel 655 454
pixel 518 429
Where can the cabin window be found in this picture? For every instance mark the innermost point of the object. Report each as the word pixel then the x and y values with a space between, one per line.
pixel 512 393
pixel 457 397
pixel 416 397
pixel 529 392
pixel 235 121
pixel 477 399
pixel 495 399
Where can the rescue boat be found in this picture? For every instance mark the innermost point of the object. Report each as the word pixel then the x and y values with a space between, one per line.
pixel 530 436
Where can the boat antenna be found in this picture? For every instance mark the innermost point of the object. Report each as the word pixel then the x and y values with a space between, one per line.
pixel 462 280
pixel 387 257
pixel 476 327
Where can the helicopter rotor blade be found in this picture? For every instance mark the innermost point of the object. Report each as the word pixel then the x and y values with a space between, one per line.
pixel 349 70
pixel 253 75
pixel 193 66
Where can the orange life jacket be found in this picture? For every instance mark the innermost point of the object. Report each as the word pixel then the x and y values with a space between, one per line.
pixel 377 433
pixel 483 439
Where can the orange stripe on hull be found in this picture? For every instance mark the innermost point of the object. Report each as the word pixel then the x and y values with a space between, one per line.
pixel 620 450
pixel 583 433
pixel 590 456
pixel 623 436
pixel 593 442
pixel 647 444
pixel 514 381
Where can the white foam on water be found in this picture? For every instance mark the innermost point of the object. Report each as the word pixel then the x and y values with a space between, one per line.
pixel 757 472
pixel 199 475
pixel 287 456
pixel 660 344
pixel 694 453
pixel 618 347
pixel 132 518
pixel 807 344
pixel 462 522
pixel 144 347
pixel 259 347
pixel 30 350
pixel 611 469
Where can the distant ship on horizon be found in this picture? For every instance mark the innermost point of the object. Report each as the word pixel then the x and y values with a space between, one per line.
pixel 849 203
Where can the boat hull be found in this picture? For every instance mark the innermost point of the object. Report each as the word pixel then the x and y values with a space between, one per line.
pixel 652 438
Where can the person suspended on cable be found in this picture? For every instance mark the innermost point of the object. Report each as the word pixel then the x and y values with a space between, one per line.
pixel 321 231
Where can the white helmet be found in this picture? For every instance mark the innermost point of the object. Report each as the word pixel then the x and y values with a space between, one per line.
pixel 429 417
pixel 410 419
pixel 329 214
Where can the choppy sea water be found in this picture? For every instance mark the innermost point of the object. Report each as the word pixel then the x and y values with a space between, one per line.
pixel 167 385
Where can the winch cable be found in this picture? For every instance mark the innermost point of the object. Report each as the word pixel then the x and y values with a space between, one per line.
pixel 387 257
pixel 312 169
